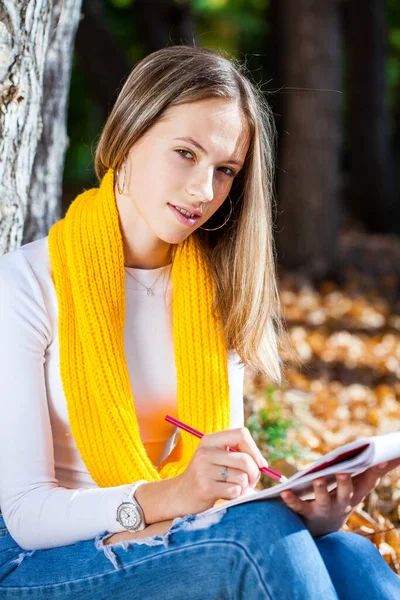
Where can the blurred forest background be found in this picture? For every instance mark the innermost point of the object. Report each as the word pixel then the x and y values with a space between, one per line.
pixel 331 72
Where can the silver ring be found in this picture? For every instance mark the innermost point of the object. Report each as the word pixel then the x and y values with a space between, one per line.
pixel 224 474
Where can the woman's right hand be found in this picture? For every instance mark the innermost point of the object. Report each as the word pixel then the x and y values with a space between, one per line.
pixel 201 484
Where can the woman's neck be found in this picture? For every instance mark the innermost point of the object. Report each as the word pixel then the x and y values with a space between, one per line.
pixel 141 250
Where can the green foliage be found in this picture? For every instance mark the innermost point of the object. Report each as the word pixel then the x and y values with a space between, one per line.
pixel 270 430
pixel 84 125
pixel 240 28
pixel 393 53
pixel 232 26
pixel 121 3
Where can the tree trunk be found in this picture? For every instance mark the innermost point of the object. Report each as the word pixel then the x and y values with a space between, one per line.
pixel 308 195
pixel 36 41
pixel 276 43
pixel 371 194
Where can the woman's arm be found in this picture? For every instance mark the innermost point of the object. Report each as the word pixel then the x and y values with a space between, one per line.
pixel 37 511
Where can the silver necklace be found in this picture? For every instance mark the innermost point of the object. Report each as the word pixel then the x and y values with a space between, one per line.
pixel 148 289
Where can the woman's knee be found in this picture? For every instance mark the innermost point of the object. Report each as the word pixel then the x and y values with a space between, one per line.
pixel 270 516
pixel 357 568
pixel 347 545
pixel 273 530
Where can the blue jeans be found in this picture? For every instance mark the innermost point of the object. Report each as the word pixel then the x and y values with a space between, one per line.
pixel 251 551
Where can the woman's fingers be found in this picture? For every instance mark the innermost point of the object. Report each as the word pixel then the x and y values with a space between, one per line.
pixel 294 502
pixel 326 503
pixel 228 491
pixel 231 475
pixel 224 482
pixel 344 490
pixel 215 473
pixel 329 511
pixel 322 497
pixel 365 482
pixel 238 463
pixel 240 439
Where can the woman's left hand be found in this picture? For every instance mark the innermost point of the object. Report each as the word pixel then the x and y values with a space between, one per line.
pixel 330 510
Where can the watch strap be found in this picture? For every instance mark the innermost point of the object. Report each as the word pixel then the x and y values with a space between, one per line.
pixel 128 497
pixel 129 493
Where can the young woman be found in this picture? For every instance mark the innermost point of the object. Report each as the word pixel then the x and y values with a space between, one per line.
pixel 148 299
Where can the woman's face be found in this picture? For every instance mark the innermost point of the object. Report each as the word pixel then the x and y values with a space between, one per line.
pixel 194 173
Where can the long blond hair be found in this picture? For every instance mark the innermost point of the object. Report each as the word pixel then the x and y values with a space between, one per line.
pixel 241 255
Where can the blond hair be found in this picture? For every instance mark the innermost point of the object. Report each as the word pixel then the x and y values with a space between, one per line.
pixel 241 254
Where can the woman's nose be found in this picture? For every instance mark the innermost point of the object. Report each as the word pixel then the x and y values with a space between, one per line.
pixel 202 189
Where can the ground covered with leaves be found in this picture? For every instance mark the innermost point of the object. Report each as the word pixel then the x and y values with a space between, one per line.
pixel 346 385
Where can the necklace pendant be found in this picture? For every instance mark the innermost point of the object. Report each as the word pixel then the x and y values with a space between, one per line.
pixel 149 292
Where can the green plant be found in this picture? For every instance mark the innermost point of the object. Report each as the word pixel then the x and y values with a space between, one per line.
pixel 270 430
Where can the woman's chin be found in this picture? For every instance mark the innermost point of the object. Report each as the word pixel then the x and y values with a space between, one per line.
pixel 175 237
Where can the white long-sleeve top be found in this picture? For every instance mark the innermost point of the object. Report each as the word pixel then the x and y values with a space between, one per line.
pixel 47 496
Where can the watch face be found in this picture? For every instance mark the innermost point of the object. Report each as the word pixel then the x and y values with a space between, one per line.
pixel 128 515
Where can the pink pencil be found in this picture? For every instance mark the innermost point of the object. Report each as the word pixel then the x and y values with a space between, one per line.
pixel 270 472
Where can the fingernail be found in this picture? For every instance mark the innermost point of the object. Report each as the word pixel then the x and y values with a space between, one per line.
pixel 383 465
pixel 264 462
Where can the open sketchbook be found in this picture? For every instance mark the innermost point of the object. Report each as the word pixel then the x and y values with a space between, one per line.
pixel 353 458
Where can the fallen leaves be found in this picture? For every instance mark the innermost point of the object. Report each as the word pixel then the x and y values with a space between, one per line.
pixel 347 383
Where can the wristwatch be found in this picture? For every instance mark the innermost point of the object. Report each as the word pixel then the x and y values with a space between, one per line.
pixel 129 513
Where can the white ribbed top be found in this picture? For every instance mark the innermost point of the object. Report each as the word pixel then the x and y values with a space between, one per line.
pixel 47 496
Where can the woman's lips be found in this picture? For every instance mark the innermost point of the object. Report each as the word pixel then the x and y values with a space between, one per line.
pixel 189 221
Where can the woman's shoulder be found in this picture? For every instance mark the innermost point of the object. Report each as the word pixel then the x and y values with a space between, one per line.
pixel 18 266
pixel 234 360
pixel 27 293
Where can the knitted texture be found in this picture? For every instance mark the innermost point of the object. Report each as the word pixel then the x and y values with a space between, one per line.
pixel 87 259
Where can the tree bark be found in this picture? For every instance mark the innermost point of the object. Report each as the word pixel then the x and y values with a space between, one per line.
pixel 36 40
pixel 308 195
pixel 277 42
pixel 371 194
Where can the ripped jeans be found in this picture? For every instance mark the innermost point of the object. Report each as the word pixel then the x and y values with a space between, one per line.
pixel 251 551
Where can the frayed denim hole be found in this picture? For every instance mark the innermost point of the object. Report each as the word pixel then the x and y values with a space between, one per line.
pixel 155 540
pixel 187 523
pixel 108 552
pixel 201 521
pixel 17 561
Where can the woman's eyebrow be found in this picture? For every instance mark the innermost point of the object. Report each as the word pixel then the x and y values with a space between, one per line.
pixel 200 147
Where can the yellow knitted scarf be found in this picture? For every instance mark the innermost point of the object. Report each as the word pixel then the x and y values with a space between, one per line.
pixel 87 260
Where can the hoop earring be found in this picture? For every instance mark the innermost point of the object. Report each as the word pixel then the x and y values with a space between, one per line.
pixel 123 186
pixel 224 223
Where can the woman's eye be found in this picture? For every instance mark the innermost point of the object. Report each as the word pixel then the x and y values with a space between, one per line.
pixel 184 152
pixel 224 169
pixel 231 174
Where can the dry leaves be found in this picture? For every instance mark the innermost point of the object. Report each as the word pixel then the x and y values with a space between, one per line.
pixel 347 385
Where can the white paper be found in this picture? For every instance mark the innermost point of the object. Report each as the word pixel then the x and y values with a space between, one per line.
pixel 378 449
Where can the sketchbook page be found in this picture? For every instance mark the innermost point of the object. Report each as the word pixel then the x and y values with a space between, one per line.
pixel 353 458
pixel 386 447
pixel 301 482
pixel 353 453
pixel 358 455
pixel 302 487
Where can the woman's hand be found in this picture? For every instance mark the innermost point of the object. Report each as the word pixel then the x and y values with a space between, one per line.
pixel 203 481
pixel 329 511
